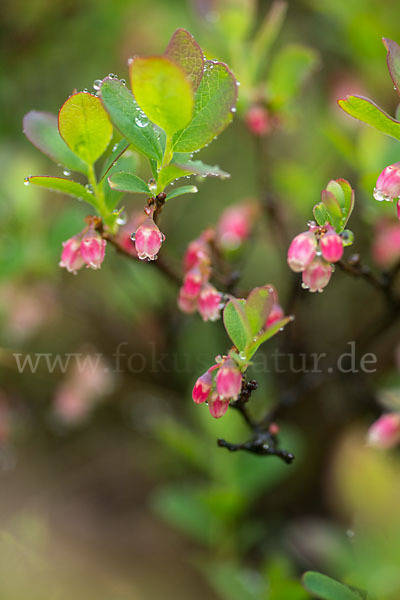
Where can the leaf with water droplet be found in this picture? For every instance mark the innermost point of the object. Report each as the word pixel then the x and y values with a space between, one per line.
pixel 124 110
pixel 197 167
pixel 128 182
pixel 214 100
pixel 185 51
pixel 393 62
pixel 41 129
pixel 185 189
pixel 163 92
pixel 64 186
pixel 85 126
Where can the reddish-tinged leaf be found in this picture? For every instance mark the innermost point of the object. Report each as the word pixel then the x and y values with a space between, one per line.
pixel 185 51
pixel 393 61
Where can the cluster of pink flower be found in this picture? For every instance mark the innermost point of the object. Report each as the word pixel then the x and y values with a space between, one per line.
pixel 218 390
pixel 312 254
pixel 196 292
pixel 388 185
pixel 85 248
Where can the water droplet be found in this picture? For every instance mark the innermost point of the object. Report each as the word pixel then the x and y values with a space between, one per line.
pixel 122 218
pixel 26 181
pixel 114 147
pixel 130 61
pixel 97 84
pixel 67 173
pixel 123 81
pixel 141 120
pixel 233 110
pixel 238 83
pixel 85 91
pixel 89 188
pixel 162 237
pixel 133 236
pixel 304 286
pixel 379 195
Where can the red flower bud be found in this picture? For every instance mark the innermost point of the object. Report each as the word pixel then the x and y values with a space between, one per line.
pixel 202 388
pixel 331 245
pixel 209 303
pixel 385 432
pixel 229 380
pixel 234 226
pixel 257 120
pixel 148 239
pixel 196 253
pixel 302 251
pixel 192 282
pixel 217 406
pixel 317 275
pixel 71 258
pixel 92 249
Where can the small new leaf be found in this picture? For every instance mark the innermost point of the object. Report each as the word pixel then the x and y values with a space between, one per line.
pixel 85 127
pixel 237 324
pixel 258 306
pixel 266 335
pixel 393 61
pixel 326 588
pixel 185 189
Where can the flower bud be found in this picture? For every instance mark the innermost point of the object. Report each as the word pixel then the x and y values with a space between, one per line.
pixel 217 406
pixel 148 240
pixel 187 304
pixel 257 120
pixel 317 275
pixel 196 253
pixel 234 226
pixel 92 249
pixel 302 251
pixel 71 258
pixel 388 183
pixel 209 303
pixel 229 380
pixel 331 245
pixel 398 209
pixel 385 432
pixel 192 282
pixel 202 388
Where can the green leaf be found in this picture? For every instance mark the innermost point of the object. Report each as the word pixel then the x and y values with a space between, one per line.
pixel 347 204
pixel 326 588
pixel 289 70
pixel 127 164
pixel 65 186
pixel 266 335
pixel 367 111
pixel 333 209
pixel 127 182
pixel 393 61
pixel 321 214
pixel 128 118
pixel 186 52
pixel 85 127
pixel 215 100
pixel 237 324
pixel 185 189
pixel 197 167
pixel 169 174
pixel 41 129
pixel 110 161
pixel 163 92
pixel 257 308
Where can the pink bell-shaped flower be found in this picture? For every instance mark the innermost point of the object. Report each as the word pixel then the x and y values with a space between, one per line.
pixel 302 250
pixel 217 406
pixel 317 275
pixel 331 245
pixel 71 258
pixel 385 432
pixel 229 380
pixel 209 303
pixel 202 388
pixel 93 249
pixel 148 239
pixel 388 184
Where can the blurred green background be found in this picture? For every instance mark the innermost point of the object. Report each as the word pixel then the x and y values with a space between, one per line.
pixel 112 486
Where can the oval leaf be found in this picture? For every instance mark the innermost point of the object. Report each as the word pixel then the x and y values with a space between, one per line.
pixel 393 61
pixel 326 588
pixel 236 324
pixel 84 125
pixel 186 52
pixel 41 129
pixel 266 335
pixel 64 186
pixel 367 111
pixel 258 306
pixel 163 92
pixel 127 182
pixel 197 167
pixel 127 117
pixel 185 189
pixel 214 101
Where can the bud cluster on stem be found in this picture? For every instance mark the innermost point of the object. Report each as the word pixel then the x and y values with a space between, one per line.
pixel 85 248
pixel 219 390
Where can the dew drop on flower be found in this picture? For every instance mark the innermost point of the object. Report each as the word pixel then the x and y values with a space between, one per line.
pixel 378 195
pixel 304 286
pixel 133 236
